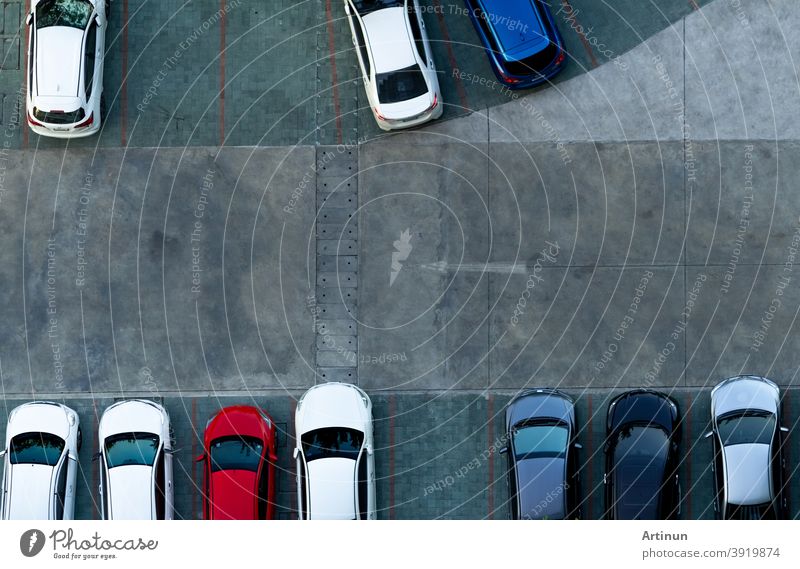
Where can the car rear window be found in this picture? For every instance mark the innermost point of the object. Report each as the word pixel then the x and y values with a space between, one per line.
pixel 70 13
pixel 402 85
pixel 332 442
pixel 236 453
pixel 36 448
pixel 131 449
pixel 58 117
pixel 533 64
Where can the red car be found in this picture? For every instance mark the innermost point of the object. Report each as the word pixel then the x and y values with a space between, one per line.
pixel 239 465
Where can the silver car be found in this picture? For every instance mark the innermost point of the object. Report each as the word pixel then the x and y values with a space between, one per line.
pixel 748 439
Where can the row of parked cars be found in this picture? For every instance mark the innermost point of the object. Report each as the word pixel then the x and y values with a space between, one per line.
pixel 335 467
pixel 334 456
pixel 642 454
pixel 66 52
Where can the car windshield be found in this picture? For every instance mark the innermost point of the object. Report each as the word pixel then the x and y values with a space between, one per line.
pixel 364 7
pixel 131 449
pixel 236 453
pixel 36 448
pixel 540 441
pixel 331 443
pixel 748 428
pixel 70 13
pixel 401 85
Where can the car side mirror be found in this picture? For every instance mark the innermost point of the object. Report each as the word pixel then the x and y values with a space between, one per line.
pixel 295 452
pixel 95 456
pixel 29 19
pixel 708 434
pixel 578 446
pixel 784 430
pixel 2 452
pixel 347 8
pixel 503 450
pixel 100 21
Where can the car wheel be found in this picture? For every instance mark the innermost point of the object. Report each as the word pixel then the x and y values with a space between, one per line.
pixel 80 439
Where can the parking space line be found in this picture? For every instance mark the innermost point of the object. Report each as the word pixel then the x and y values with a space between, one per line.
pixel 572 14
pixel 194 454
pixel 95 468
pixel 392 407
pixel 124 87
pixel 490 435
pixel 688 453
pixel 222 22
pixel 451 56
pixel 334 80
pixel 24 108
pixel 590 453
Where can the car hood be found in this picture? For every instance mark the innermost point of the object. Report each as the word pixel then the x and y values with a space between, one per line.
pixel 542 489
pixel 234 495
pixel 131 417
pixel 332 482
pixel 130 491
pixel 744 393
pixel 30 498
pixel 748 474
pixel 389 39
pixel 331 405
pixel 541 405
pixel 39 417
pixel 58 61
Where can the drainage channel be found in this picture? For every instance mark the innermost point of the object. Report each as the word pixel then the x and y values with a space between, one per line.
pixel 336 140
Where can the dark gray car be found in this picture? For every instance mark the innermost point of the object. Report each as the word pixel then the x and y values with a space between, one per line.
pixel 541 449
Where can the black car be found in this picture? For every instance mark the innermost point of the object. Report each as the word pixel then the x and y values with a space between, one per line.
pixel 541 449
pixel 641 477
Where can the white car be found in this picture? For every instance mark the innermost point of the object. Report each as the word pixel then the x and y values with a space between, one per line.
pixel 396 61
pixel 66 48
pixel 136 462
pixel 41 462
pixel 334 454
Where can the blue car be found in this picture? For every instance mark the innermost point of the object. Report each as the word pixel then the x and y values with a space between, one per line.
pixel 521 40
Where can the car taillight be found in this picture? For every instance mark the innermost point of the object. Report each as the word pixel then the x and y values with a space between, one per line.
pixel 435 102
pixel 378 114
pixel 33 122
pixel 87 122
pixel 560 59
pixel 508 79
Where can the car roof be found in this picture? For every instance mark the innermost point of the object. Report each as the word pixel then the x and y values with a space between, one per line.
pixel 30 493
pixel 59 56
pixel 517 25
pixel 332 488
pixel 233 494
pixel 130 489
pixel 542 487
pixel 639 462
pixel 747 469
pixel 389 41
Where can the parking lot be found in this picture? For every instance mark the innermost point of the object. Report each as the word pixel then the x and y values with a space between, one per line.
pixel 240 231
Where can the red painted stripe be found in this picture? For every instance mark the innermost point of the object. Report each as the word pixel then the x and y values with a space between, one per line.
pixel 199 484
pixel 222 74
pixel 23 122
pixel 490 434
pixel 123 102
pixel 688 436
pixel 332 49
pixel 392 407
pixel 590 455
pixel 95 467
pixel 451 56
pixel 586 46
